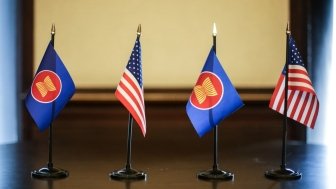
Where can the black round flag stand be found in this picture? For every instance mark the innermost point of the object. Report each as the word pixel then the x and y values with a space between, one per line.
pixel 50 172
pixel 46 172
pixel 284 173
pixel 215 173
pixel 128 173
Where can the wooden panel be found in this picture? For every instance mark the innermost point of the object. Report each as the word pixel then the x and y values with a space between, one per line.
pixel 255 119
pixel 26 67
pixel 166 95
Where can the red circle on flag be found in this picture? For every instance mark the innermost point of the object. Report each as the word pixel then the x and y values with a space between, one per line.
pixel 208 91
pixel 46 86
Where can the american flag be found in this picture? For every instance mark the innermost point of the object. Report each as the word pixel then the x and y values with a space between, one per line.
pixel 302 103
pixel 130 89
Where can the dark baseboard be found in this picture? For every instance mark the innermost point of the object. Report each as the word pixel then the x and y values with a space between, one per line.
pixel 171 95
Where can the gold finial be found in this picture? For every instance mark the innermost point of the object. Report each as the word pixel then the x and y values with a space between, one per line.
pixel 139 30
pixel 287 29
pixel 53 30
pixel 214 29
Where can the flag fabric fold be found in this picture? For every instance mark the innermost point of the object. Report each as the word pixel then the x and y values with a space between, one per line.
pixel 50 91
pixel 130 88
pixel 213 98
pixel 302 102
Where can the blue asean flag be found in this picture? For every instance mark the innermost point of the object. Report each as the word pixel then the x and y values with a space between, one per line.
pixel 213 97
pixel 50 91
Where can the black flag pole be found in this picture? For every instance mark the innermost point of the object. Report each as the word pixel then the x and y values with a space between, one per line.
pixel 128 173
pixel 50 171
pixel 215 173
pixel 284 173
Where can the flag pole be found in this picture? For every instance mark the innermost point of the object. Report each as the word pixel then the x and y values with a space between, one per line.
pixel 128 173
pixel 50 164
pixel 215 161
pixel 50 171
pixel 215 173
pixel 129 142
pixel 284 173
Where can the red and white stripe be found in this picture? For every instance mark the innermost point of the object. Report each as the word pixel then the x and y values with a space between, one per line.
pixel 302 102
pixel 130 94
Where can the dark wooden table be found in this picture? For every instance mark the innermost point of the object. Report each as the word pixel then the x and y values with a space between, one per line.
pixel 90 142
pixel 167 167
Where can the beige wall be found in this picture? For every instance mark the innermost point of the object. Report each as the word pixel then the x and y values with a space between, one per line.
pixel 94 38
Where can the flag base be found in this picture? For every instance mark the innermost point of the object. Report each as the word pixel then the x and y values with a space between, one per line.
pixel 49 173
pixel 215 174
pixel 283 174
pixel 128 174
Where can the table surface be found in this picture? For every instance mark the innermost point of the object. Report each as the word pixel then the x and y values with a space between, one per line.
pixel 167 167
pixel 90 142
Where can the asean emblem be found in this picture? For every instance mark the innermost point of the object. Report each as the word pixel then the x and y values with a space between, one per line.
pixel 46 86
pixel 208 91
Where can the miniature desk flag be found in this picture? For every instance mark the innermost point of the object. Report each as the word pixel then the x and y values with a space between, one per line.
pixel 130 88
pixel 213 97
pixel 303 105
pixel 50 91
